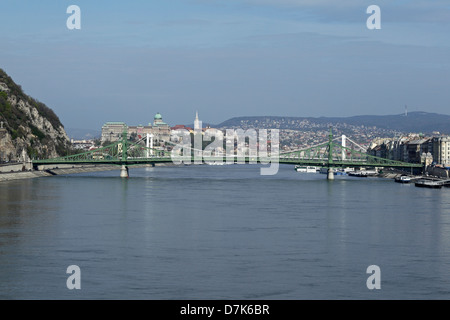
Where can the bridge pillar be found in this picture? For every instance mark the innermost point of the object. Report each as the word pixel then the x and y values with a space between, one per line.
pixel 124 172
pixel 330 175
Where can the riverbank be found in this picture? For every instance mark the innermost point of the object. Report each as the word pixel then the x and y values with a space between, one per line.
pixel 22 175
pixel 18 175
pixel 48 171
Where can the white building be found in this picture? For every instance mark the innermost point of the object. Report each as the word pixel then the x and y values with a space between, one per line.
pixel 441 150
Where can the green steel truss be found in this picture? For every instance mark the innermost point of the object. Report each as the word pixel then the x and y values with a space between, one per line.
pixel 121 152
pixel 328 154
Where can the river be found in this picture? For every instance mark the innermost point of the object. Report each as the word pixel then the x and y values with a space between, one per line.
pixel 222 232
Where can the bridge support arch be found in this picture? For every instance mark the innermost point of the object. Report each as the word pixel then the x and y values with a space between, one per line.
pixel 124 171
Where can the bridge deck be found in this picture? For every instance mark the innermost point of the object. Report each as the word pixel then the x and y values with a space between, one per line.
pixel 124 153
pixel 311 162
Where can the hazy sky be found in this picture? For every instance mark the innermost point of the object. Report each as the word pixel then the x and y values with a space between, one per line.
pixel 227 58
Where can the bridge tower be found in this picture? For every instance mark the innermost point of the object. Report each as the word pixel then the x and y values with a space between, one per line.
pixel 343 144
pixel 149 145
pixel 124 167
pixel 330 174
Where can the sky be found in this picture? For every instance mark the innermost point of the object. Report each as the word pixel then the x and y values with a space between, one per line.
pixel 227 58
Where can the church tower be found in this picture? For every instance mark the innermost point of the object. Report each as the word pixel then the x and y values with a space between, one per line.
pixel 197 122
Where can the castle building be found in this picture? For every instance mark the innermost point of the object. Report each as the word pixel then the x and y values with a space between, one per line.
pixel 112 131
pixel 160 129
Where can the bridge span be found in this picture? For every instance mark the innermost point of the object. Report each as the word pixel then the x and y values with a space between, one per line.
pixel 330 155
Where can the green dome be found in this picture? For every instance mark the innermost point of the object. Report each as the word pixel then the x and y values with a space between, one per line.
pixel 158 116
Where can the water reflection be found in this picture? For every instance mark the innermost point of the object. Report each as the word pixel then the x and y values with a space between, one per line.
pixel 24 208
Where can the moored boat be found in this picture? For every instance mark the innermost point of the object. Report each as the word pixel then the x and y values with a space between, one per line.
pixel 307 169
pixel 403 179
pixel 336 171
pixel 428 184
pixel 360 174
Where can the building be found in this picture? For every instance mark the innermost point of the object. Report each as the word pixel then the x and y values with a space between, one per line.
pixel 160 131
pixel 82 144
pixel 407 148
pixel 182 127
pixel 413 148
pixel 441 150
pixel 112 131
pixel 139 132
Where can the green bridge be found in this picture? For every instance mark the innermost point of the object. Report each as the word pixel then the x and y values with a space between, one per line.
pixel 330 155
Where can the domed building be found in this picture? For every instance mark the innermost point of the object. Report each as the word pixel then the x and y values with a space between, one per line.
pixel 157 119
pixel 112 131
pixel 160 130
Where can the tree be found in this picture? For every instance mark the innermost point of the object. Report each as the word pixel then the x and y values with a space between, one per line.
pixel 97 142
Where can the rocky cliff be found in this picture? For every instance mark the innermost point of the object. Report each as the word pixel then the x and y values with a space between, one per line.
pixel 28 128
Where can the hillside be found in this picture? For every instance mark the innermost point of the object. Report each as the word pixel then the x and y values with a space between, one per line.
pixel 423 122
pixel 30 128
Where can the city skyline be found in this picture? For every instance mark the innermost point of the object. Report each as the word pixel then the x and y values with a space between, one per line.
pixel 227 59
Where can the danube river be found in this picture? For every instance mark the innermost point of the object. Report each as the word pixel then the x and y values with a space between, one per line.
pixel 222 232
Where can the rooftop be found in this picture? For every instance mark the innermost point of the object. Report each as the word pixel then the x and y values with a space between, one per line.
pixel 115 123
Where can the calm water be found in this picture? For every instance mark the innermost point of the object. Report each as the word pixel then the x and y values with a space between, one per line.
pixel 222 232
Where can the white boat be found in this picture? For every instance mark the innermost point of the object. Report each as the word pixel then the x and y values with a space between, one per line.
pixel 363 173
pixel 307 169
pixel 370 172
pixel 216 163
pixel 403 179
pixel 337 171
pixel 344 171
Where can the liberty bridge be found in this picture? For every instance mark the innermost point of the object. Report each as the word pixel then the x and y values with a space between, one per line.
pixel 329 154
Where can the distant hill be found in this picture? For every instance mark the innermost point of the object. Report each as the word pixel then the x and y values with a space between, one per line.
pixel 30 128
pixel 83 134
pixel 420 122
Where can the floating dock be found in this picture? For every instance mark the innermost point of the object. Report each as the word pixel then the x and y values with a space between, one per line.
pixel 434 184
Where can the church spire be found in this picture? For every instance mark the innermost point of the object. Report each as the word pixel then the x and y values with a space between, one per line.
pixel 197 122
